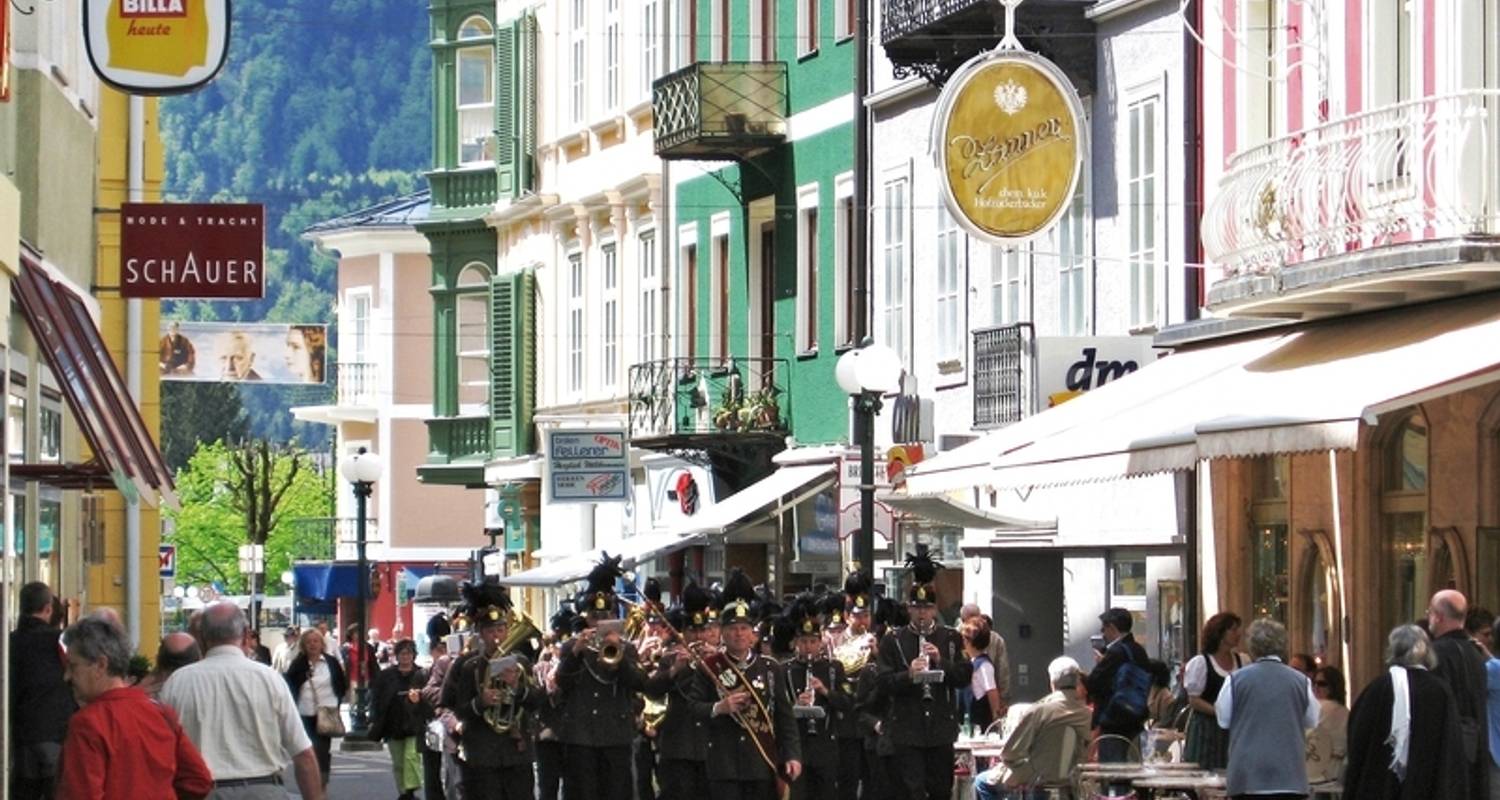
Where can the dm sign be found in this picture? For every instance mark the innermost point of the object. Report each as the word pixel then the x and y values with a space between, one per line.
pixel 1009 145
pixel 156 46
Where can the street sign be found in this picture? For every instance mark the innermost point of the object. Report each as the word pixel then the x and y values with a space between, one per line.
pixel 166 561
pixel 588 466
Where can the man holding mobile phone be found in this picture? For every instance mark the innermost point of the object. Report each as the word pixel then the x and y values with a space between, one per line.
pixel 1120 648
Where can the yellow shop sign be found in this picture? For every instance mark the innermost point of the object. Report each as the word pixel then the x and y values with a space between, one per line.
pixel 1009 145
pixel 156 46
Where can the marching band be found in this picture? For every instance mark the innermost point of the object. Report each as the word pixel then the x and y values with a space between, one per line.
pixel 726 693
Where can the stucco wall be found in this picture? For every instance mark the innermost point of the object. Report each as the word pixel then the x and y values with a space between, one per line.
pixel 426 515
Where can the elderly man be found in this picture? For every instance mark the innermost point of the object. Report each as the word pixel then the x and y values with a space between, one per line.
pixel 176 651
pixel 1460 662
pixel 1050 739
pixel 241 716
pixel 281 660
pixel 1267 707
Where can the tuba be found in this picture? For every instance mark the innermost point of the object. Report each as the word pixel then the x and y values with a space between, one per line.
pixel 505 716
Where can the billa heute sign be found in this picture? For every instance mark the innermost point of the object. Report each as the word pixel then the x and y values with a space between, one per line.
pixel 588 466
pixel 212 250
pixel 1009 145
pixel 156 46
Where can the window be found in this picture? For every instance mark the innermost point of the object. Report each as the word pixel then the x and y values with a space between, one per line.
pixel 1144 212
pixel 609 370
pixel 359 327
pixel 650 298
pixel 689 325
pixel 1403 517
pixel 1264 76
pixel 952 270
pixel 1389 52
pixel 1075 266
pixel 845 279
pixel 612 55
pixel 763 30
pixel 650 47
pixel 722 36
pixel 575 323
pixel 49 424
pixel 476 92
pixel 472 311
pixel 807 26
pixel 846 11
pixel 687 36
pixel 1009 268
pixel 807 269
pixel 576 62
pixel 893 266
pixel 1129 577
pixel 1269 546
pixel 15 426
pixel 719 286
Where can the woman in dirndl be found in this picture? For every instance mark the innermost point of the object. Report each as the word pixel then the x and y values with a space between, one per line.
pixel 1207 744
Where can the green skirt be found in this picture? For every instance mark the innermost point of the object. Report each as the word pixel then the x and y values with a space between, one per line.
pixel 1205 744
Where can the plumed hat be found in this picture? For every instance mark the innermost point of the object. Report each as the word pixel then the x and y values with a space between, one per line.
pixel 831 608
pixel 485 604
pixel 695 606
pixel 438 627
pixel 857 593
pixel 652 592
pixel 803 614
pixel 562 621
pixel 740 603
pixel 924 570
pixel 599 597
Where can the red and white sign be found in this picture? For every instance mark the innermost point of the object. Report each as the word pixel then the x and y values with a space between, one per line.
pixel 214 250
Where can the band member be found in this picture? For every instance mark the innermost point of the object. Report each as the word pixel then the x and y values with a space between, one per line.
pixel 682 737
pixel 490 694
pixel 643 750
pixel 849 639
pixel 549 746
pixel 817 685
pixel 921 668
pixel 752 736
pixel 598 678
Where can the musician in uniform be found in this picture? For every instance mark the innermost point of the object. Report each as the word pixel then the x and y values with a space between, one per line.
pixel 490 693
pixel 681 736
pixel 549 746
pixel 598 677
pixel 921 668
pixel 746 689
pixel 643 749
pixel 847 626
pixel 816 682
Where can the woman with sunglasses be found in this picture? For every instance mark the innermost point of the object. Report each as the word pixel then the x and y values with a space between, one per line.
pixel 1327 743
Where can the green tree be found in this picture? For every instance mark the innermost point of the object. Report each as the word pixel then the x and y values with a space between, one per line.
pixel 193 413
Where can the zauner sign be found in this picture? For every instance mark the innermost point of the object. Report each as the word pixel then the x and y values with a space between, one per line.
pixel 1009 145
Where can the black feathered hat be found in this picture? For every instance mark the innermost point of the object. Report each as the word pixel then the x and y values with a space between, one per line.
pixel 804 614
pixel 485 604
pixel 562 621
pixel 695 606
pixel 924 571
pixel 599 598
pixel 438 626
pixel 831 607
pixel 740 601
pixel 857 594
pixel 654 608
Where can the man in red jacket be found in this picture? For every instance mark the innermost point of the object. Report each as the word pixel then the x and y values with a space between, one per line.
pixel 121 738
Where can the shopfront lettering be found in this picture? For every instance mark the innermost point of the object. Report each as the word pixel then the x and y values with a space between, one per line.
pixel 152 8
pixel 994 155
pixel 1090 372
pixel 190 271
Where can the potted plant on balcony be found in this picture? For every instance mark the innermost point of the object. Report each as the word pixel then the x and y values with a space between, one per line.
pixel 727 414
pixel 760 411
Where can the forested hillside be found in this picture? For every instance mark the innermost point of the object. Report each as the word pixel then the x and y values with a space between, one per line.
pixel 323 107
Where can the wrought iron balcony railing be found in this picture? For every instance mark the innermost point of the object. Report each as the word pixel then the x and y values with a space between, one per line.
pixel 932 38
pixel 464 187
pixel 1422 170
pixel 720 110
pixel 358 383
pixel 454 439
pixel 1003 374
pixel 331 538
pixel 679 397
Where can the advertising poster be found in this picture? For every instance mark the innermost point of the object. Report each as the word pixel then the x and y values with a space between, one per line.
pixel 251 352
pixel 156 46
pixel 588 466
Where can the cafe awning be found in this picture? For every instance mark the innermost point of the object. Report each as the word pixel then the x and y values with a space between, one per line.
pixel 94 391
pixel 944 509
pixel 786 487
pixel 639 549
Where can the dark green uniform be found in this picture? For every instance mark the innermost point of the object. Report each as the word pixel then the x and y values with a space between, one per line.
pixel 820 744
pixel 735 767
pixel 922 725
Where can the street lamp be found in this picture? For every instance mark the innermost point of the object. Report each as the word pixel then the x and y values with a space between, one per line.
pixel 361 470
pixel 865 375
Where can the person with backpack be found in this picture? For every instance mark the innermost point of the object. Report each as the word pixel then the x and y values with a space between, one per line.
pixel 1119 686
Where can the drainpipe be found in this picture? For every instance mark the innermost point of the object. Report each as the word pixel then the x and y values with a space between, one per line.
pixel 136 184
pixel 860 325
pixel 1192 249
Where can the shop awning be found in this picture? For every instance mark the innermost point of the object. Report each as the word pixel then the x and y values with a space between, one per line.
pixel 323 582
pixel 766 498
pixel 91 385
pixel 944 509
pixel 1308 390
pixel 639 549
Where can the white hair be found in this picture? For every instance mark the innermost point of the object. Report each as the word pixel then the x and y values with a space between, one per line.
pixel 1063 672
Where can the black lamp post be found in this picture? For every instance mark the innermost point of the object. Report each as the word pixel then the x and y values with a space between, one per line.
pixel 866 374
pixel 361 470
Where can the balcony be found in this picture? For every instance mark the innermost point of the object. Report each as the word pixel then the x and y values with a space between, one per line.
pixel 464 187
pixel 932 38
pixel 720 110
pixel 333 539
pixel 358 383
pixel 457 448
pixel 697 403
pixel 1378 209
pixel 1002 374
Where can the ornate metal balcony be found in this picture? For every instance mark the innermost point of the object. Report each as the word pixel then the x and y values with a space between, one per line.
pixel 331 538
pixel 932 38
pixel 720 110
pixel 687 403
pixel 1298 220
pixel 464 187
pixel 358 383
pixel 1003 374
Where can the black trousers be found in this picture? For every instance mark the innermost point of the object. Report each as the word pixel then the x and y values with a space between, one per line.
pixel 851 768
pixel 596 773
pixel 322 747
pixel 432 774
pixel 499 783
pixel 644 758
pixel 549 768
pixel 742 790
pixel 682 778
pixel 816 782
pixel 925 773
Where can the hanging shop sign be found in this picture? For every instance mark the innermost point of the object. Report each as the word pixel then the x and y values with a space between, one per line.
pixel 588 466
pixel 1009 144
pixel 193 250
pixel 235 352
pixel 156 46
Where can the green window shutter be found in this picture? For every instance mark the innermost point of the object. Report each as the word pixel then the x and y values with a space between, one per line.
pixel 505 109
pixel 526 52
pixel 512 363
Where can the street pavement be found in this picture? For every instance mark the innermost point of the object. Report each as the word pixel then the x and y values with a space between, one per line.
pixel 359 775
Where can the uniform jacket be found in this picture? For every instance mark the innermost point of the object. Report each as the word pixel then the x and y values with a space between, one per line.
pixel 847 722
pixel 481 744
pixel 732 755
pixel 914 719
pixel 598 702
pixel 819 745
pixel 682 735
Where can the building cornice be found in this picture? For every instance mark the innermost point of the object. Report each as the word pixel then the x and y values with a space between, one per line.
pixel 1106 10
pixel 358 242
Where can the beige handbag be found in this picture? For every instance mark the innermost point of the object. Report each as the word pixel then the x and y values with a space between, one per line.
pixel 329 722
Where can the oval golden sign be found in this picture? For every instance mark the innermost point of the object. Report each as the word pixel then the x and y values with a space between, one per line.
pixel 1010 149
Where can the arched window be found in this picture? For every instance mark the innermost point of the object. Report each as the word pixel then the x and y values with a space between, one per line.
pixel 1317 595
pixel 1269 548
pixel 473 335
pixel 476 91
pixel 1403 521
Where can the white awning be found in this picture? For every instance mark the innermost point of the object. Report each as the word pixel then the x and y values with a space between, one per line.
pixel 768 497
pixel 639 549
pixel 946 510
pixel 1309 390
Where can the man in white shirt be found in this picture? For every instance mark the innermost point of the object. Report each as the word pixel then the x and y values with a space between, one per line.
pixel 285 652
pixel 241 716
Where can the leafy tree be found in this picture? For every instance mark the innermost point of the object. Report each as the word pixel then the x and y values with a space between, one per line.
pixel 194 413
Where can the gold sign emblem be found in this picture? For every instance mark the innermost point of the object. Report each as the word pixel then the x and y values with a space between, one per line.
pixel 1010 145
